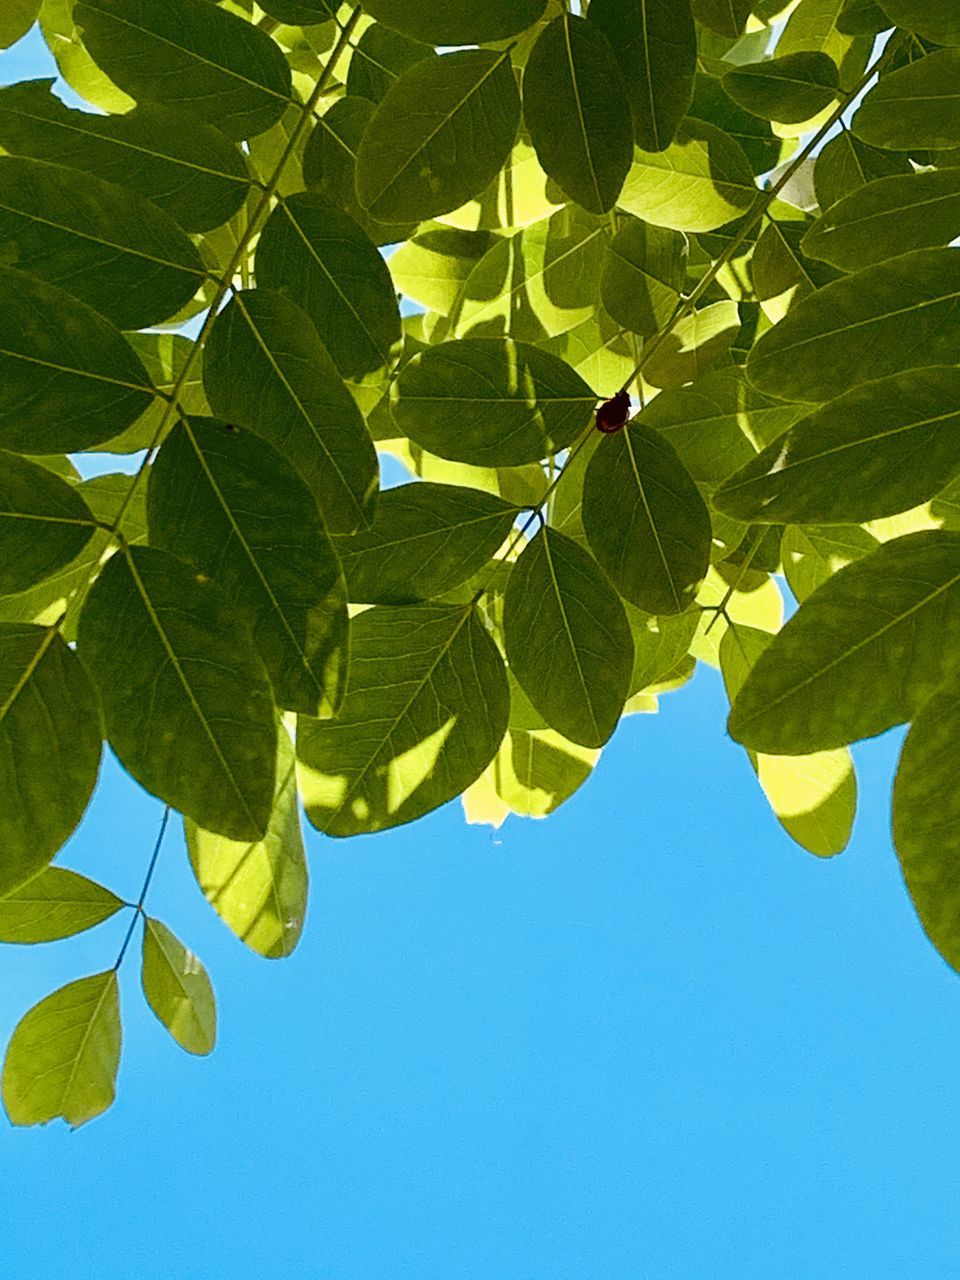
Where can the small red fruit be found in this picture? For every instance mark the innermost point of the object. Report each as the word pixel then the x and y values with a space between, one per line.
pixel 613 414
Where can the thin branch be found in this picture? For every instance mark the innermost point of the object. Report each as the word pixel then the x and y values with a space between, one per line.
pixel 138 910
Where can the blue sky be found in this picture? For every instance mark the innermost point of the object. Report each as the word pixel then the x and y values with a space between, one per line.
pixel 646 1038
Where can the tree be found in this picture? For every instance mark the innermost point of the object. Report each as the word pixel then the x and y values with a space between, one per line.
pixel 593 208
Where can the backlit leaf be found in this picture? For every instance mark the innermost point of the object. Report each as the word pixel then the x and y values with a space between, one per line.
pixel 193 729
pixel 378 58
pixel 643 274
pixel 862 654
pixel 693 346
pixel 64 1053
pixel 177 988
pixel 725 17
pixel 575 107
pixel 567 638
pixel 815 553
pixel 259 889
pixel 935 20
pixel 44 523
pixel 916 106
pixel 439 136
pixel 50 733
pixel 489 402
pixel 323 261
pixel 898 315
pixel 646 521
pixel 845 164
pixel 192 54
pixel 900 438
pixel 426 709
pixel 656 44
pixel 55 904
pixel 265 368
pixel 456 21
pixel 790 89
pixel 74 63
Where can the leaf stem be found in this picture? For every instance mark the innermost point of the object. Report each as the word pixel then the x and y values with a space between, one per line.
pixel 138 910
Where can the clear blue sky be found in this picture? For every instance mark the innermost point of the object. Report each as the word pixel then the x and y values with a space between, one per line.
pixel 646 1038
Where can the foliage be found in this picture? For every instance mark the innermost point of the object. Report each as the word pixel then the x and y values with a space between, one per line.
pixel 739 215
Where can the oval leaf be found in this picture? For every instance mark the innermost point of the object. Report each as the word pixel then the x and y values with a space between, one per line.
pixel 50 732
pixel 457 21
pixel 55 904
pixel 575 107
pixel 899 437
pixel 862 654
pixel 645 520
pixel 258 890
pixel 265 368
pixel 491 403
pixel 195 732
pixel 190 53
pixel 425 712
pixel 643 273
pixel 318 256
pixel 63 1057
pixel 568 639
pixel 231 506
pixel 68 380
pixel 935 20
pixel 656 44
pixel 916 106
pixel 44 523
pixel 790 89
pixel 17 18
pixel 178 990
pixel 899 315
pixel 439 137
pixel 426 540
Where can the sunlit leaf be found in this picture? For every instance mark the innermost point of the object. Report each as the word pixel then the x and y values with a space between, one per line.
pixel 178 989
pixel 725 17
pixel 194 730
pixel 63 1057
pixel 643 274
pixel 55 904
pixel 815 553
pixel 567 638
pixel 862 654
pixel 456 21
pixel 425 712
pixel 74 63
pixel 790 89
pixel 693 346
pixel 433 266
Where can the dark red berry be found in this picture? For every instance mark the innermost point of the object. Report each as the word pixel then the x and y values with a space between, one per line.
pixel 613 414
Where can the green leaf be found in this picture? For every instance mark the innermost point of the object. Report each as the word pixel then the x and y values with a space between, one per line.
pixel 862 18
pixel 300 12
pixel 659 645
pixel 192 54
pixel 863 653
pixel 323 261
pixel 718 424
pixel 55 904
pixel 177 988
pixel 433 266
pixel 814 26
pixel 700 182
pixel 540 281
pixel 63 1056
pixel 887 218
pixel 76 66
pixel 644 271
pixel 426 540
pixel 50 732
pixel 693 345
pixel 813 796
pixel 186 168
pixel 567 638
pixel 440 135
pixel 916 106
pixel 900 438
pixel 894 316
pixel 164 356
pixel 754 136
pixel 196 732
pixel 379 57
pixel 44 523
pixel 816 553
pixel 846 164
pixel 489 402
pixel 16 19
pixel 265 368
pixel 575 107
pixel 532 774
pixel 935 20
pixel 68 380
pixel 426 709
pixel 330 165
pixel 457 21
pixel 790 89
pixel 725 17
pixel 782 274
pixel 104 244
pixel 228 504
pixel 656 44
pixel 645 520
pixel 926 821
pixel 259 890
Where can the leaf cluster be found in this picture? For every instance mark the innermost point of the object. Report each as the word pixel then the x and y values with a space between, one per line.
pixel 448 231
